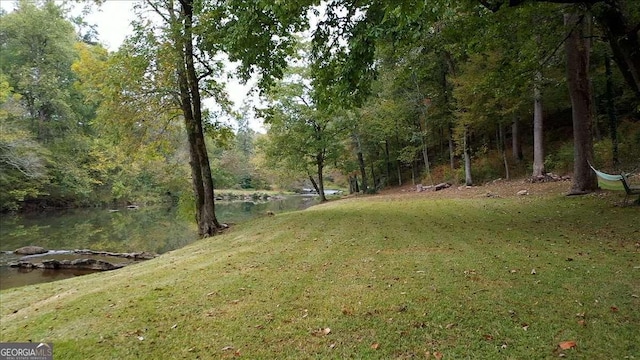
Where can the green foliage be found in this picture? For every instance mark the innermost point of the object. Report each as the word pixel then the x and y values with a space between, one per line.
pixel 561 160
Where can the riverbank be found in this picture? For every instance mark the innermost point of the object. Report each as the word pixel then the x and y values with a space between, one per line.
pixel 390 276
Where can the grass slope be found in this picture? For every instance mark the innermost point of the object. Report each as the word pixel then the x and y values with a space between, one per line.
pixel 380 277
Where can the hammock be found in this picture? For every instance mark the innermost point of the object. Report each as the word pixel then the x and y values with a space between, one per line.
pixel 616 183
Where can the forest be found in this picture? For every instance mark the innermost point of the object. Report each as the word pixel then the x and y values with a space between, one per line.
pixel 364 93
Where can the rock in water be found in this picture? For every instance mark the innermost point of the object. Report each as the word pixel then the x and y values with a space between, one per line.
pixel 30 250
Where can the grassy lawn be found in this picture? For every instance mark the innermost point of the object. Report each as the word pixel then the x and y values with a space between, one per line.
pixel 382 277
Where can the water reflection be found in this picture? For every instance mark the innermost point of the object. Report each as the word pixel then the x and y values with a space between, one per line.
pixel 150 229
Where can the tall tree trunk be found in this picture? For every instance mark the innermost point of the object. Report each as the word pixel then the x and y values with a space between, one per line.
pixel 538 128
pixel 577 48
pixel 516 145
pixel 467 159
pixel 611 113
pixel 192 111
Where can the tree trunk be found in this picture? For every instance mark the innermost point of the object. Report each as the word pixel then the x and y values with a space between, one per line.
pixel 611 113
pixel 373 179
pixel 388 160
pixel 363 171
pixel 616 20
pixel 623 39
pixel 516 145
pixel 467 159
pixel 538 129
pixel 425 156
pixel 503 150
pixel 320 168
pixel 192 111
pixel 577 48
pixel 452 154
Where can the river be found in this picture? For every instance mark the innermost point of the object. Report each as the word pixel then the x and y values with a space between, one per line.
pixel 155 229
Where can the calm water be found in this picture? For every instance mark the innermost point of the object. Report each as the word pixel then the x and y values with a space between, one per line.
pixel 151 229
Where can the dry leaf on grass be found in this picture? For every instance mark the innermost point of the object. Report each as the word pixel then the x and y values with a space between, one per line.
pixel 438 355
pixel 321 332
pixel 375 346
pixel 566 345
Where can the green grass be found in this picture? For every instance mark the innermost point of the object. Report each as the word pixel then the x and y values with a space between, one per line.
pixel 413 276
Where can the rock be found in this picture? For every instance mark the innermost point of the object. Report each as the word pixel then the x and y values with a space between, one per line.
pixel 81 264
pixel 30 250
pixel 92 264
pixel 523 192
pixel 51 264
pixel 22 265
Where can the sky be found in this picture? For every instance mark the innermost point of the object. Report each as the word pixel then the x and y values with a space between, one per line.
pixel 112 20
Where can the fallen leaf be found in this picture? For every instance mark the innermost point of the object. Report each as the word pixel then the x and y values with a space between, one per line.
pixel 582 323
pixel 449 326
pixel 488 337
pixel 321 332
pixel 566 345
pixel 438 355
pixel 614 309
pixel 375 346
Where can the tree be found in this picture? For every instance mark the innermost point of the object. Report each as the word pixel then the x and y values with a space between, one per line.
pixel 23 161
pixel 619 19
pixel 302 136
pixel 158 76
pixel 578 49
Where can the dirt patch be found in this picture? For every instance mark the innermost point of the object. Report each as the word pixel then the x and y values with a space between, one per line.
pixel 497 189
